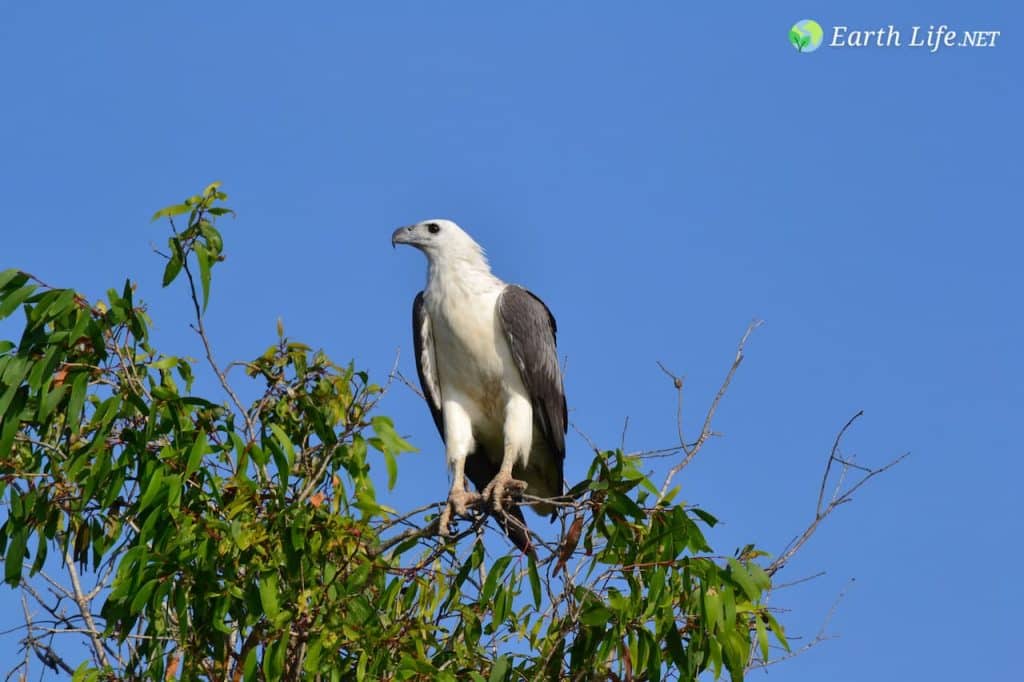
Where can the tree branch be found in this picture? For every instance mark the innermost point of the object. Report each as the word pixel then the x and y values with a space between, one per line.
pixel 839 496
pixel 200 329
pixel 85 609
pixel 690 451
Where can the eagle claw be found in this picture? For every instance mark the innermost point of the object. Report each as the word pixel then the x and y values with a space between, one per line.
pixel 503 487
pixel 458 504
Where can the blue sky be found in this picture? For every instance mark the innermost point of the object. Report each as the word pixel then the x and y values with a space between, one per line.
pixel 660 175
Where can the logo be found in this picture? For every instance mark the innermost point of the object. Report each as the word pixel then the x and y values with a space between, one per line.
pixel 806 35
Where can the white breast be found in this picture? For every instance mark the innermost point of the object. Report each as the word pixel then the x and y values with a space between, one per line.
pixel 475 366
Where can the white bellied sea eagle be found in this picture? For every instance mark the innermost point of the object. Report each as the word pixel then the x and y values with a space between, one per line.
pixel 487 363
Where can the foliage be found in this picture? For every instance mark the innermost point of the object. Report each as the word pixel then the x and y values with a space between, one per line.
pixel 235 541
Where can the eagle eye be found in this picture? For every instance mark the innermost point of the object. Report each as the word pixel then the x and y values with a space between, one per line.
pixel 434 228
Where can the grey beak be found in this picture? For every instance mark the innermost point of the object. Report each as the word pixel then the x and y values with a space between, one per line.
pixel 402 235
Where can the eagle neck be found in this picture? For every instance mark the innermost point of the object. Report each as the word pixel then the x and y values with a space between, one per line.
pixel 460 277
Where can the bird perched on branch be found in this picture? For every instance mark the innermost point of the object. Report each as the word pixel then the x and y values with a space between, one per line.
pixel 488 366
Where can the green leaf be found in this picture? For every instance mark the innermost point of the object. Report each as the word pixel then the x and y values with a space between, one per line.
pixel 712 611
pixel 534 580
pixel 653 658
pixel 251 660
pixel 142 596
pixel 268 595
pixel 392 465
pixel 50 400
pixel 195 456
pixel 500 606
pixel 624 505
pixel 500 671
pixel 475 557
pixel 492 578
pixel 313 651
pixel 738 572
pixel 13 381
pixel 8 276
pixel 85 672
pixel 153 490
pixel 78 387
pixel 761 579
pixel 674 644
pixel 286 448
pixel 390 441
pixel 596 616
pixel 203 256
pixel 14 299
pixel 170 212
pixel 172 269
pixel 705 517
pixel 735 649
pixel 715 654
pixel 777 630
pixel 762 637
pixel 273 661
pixel 15 556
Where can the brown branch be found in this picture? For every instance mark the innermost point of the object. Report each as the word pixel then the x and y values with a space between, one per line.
pixel 426 531
pixel 839 496
pixel 411 386
pixel 690 451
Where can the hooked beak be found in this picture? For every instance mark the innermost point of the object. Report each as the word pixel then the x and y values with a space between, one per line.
pixel 402 235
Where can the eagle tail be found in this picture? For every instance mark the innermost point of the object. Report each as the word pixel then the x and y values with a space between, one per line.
pixel 514 525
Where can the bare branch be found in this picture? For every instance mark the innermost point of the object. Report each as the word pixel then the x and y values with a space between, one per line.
pixel 84 608
pixel 411 386
pixel 839 495
pixel 690 451
pixel 820 637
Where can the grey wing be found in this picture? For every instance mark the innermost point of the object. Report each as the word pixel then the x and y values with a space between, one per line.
pixel 531 333
pixel 426 365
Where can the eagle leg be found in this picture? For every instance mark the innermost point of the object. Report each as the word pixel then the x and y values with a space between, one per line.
pixel 503 488
pixel 459 501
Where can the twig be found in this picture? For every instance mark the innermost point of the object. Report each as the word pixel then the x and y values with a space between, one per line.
pixel 798 581
pixel 85 610
pixel 200 329
pixel 839 496
pixel 820 637
pixel 690 451
pixel 426 531
pixel 412 387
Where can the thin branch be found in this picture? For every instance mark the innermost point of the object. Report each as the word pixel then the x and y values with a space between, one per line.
pixel 798 581
pixel 839 495
pixel 820 637
pixel 84 608
pixel 429 530
pixel 200 329
pixel 411 386
pixel 690 451
pixel 833 456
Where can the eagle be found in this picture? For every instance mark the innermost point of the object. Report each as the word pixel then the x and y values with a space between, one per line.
pixel 487 361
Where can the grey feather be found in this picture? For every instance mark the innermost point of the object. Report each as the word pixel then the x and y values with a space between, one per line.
pixel 531 332
pixel 426 364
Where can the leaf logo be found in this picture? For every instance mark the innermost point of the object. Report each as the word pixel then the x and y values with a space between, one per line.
pixel 806 35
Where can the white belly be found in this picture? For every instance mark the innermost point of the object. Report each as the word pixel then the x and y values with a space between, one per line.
pixel 478 370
